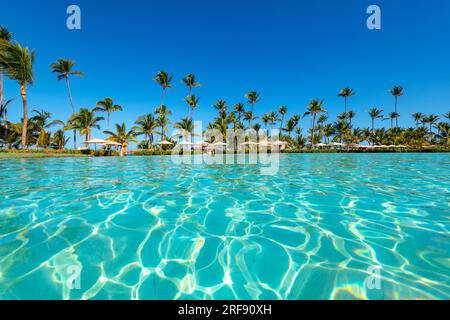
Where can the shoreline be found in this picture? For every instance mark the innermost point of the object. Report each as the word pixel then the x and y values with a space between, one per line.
pixel 144 153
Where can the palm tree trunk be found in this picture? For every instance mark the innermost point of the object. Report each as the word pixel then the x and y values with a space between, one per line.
pixel 108 119
pixel 345 103
pixel 23 93
pixel 396 111
pixel 73 112
pixel 373 125
pixel 1 89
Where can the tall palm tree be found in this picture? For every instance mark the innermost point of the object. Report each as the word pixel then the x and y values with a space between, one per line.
pixel 346 93
pixel 191 83
pixel 282 110
pixel 220 105
pixel 164 79
pixel 63 67
pixel 193 103
pixel 350 116
pixel 374 114
pixel 6 36
pixel 417 116
pixel 248 116
pixel 253 98
pixel 163 112
pixel 84 121
pixel 107 105
pixel 265 120
pixel 17 63
pixel 122 136
pixel 396 91
pixel 392 116
pixel 273 118
pixel 240 109
pixel 145 126
pixel 314 108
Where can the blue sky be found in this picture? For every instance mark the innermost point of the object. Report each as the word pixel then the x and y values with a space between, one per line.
pixel 289 51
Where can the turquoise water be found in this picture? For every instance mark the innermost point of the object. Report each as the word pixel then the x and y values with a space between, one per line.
pixel 144 228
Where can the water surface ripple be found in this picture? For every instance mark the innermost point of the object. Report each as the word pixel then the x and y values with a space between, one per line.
pixel 145 228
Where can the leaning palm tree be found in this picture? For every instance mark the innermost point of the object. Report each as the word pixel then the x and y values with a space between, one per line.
pixel 6 36
pixel 253 98
pixel 107 105
pixel 374 114
pixel 417 116
pixel 122 136
pixel 84 121
pixel 146 126
pixel 63 67
pixel 41 124
pixel 17 63
pixel 164 79
pixel 396 91
pixel 346 93
pixel 314 108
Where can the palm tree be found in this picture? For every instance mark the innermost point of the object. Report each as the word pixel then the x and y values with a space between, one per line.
pixel 240 109
pixel 4 111
pixel 122 136
pixel 431 120
pixel 163 112
pixel 107 105
pixel 346 93
pixel 446 115
pixel 282 110
pixel 397 92
pixel 59 139
pixel 374 114
pixel 63 67
pixel 350 115
pixel 273 118
pixel 220 105
pixel 418 116
pixel 290 126
pixel 189 81
pixel 248 116
pixel 163 79
pixel 392 116
pixel 253 98
pixel 314 108
pixel 145 126
pixel 17 63
pixel 84 121
pixel 6 36
pixel 265 119
pixel 192 102
pixel 186 127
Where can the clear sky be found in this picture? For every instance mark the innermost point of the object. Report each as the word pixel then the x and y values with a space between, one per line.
pixel 288 50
